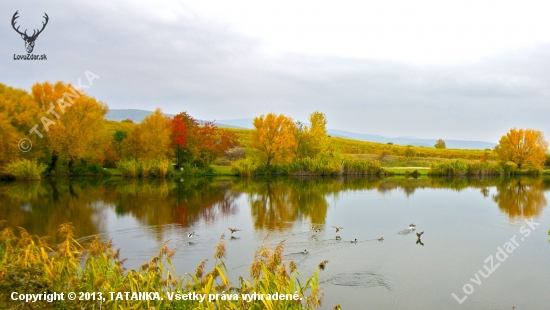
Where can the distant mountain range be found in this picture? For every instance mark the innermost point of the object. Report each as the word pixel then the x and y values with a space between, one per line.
pixel 138 115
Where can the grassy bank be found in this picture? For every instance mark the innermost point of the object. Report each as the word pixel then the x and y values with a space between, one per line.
pixel 30 265
pixel 319 166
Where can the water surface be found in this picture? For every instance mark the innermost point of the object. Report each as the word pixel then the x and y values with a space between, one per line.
pixel 465 221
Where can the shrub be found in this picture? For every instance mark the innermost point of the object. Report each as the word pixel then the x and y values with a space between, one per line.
pixel 129 168
pixel 26 169
pixel 159 168
pixel 244 167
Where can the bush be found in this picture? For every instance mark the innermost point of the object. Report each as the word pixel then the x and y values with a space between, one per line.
pixel 158 168
pixel 461 168
pixel 26 169
pixel 244 167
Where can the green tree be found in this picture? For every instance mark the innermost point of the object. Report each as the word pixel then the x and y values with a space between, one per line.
pixel 440 144
pixel 523 147
pixel 118 137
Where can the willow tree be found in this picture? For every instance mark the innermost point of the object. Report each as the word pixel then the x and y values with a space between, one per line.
pixel 523 147
pixel 274 138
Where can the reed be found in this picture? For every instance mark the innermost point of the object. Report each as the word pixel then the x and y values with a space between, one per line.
pixel 29 264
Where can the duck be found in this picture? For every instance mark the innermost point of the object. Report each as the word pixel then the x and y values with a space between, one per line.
pixel 381 239
pixel 354 241
pixel 305 252
pixel 337 228
pixel 412 226
pixel 338 238
pixel 232 230
pixel 191 234
pixel 419 234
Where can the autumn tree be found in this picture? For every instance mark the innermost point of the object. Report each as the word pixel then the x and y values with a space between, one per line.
pixel 214 143
pixel 185 139
pixel 199 145
pixel 274 138
pixel 313 140
pixel 523 147
pixel 150 139
pixel 8 141
pixel 72 123
pixel 18 113
pixel 440 144
pixel 131 146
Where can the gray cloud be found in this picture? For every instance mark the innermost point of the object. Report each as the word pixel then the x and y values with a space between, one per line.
pixel 178 60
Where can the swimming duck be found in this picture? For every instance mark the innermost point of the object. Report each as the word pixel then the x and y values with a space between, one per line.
pixel 191 234
pixel 337 228
pixel 305 252
pixel 381 239
pixel 354 241
pixel 232 230
pixel 338 238
pixel 412 227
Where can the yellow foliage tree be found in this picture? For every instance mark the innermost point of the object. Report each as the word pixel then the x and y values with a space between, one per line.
pixel 150 139
pixel 312 141
pixel 18 113
pixel 274 138
pixel 73 122
pixel 523 147
pixel 8 141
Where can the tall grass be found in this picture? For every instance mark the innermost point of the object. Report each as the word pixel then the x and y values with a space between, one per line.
pixel 159 168
pixel 29 265
pixel 324 165
pixel 462 168
pixel 26 169
pixel 244 167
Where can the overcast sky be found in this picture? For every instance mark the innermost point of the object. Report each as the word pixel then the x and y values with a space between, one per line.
pixel 467 70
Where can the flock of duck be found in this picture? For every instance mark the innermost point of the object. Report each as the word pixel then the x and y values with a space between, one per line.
pixel 411 228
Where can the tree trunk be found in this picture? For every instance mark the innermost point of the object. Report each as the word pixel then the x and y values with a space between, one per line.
pixel 53 162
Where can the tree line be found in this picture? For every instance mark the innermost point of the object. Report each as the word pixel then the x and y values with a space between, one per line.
pixel 73 133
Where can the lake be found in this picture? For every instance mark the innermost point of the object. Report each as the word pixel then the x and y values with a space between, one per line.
pixel 485 240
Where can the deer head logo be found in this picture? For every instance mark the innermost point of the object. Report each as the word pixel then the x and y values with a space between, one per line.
pixel 29 40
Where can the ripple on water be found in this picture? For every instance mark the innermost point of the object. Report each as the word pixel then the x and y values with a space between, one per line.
pixel 362 279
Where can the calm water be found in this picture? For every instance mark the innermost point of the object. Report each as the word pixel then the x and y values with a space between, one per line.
pixel 465 221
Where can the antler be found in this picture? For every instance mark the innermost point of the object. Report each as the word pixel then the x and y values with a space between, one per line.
pixel 34 33
pixel 43 26
pixel 13 23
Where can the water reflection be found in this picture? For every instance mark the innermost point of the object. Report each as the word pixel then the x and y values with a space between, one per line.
pixel 521 197
pixel 274 204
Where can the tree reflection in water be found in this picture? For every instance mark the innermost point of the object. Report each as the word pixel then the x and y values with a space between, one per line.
pixel 522 197
pixel 275 204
